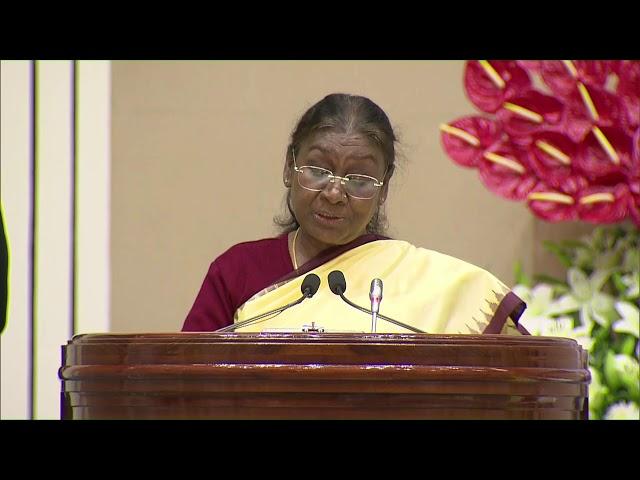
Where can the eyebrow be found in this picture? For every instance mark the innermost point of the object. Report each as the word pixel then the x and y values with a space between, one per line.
pixel 355 156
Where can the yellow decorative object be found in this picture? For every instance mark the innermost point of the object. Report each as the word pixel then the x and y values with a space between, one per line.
pixel 606 145
pixel 524 112
pixel 571 68
pixel 554 152
pixel 505 162
pixel 493 75
pixel 551 197
pixel 461 134
pixel 597 197
pixel 586 98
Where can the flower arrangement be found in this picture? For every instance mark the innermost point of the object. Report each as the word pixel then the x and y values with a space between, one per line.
pixel 564 136
pixel 598 306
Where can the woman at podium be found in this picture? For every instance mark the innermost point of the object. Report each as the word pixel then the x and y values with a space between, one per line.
pixel 339 162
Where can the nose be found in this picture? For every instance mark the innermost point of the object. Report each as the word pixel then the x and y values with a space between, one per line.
pixel 334 191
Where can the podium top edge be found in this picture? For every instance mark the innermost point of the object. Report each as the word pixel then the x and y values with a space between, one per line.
pixel 241 337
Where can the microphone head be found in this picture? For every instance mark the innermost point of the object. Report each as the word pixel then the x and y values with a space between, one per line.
pixel 337 283
pixel 376 289
pixel 310 285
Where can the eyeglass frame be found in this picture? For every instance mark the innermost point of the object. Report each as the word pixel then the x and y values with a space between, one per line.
pixel 332 178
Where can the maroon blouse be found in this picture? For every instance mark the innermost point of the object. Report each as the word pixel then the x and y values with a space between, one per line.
pixel 234 277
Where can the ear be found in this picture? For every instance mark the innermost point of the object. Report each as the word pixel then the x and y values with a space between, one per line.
pixel 287 172
pixel 385 187
pixel 383 194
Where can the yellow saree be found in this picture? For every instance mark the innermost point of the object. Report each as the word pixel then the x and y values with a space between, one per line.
pixel 422 288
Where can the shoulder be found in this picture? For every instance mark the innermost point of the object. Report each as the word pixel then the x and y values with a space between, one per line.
pixel 252 250
pixel 257 246
pixel 443 262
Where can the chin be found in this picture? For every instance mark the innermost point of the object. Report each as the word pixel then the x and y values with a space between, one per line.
pixel 331 236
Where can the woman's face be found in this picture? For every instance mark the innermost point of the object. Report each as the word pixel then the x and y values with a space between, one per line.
pixel 331 217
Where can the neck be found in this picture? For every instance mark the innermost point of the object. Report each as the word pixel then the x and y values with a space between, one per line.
pixel 307 248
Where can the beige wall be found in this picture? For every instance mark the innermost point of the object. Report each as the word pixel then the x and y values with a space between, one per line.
pixel 197 155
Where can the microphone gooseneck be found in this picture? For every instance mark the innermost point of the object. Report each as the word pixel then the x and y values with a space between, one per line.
pixel 338 285
pixel 309 287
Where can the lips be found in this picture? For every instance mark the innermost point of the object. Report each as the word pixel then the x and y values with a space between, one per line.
pixel 328 216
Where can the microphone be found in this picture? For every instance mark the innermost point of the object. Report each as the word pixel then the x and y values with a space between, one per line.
pixel 375 295
pixel 337 282
pixel 338 285
pixel 309 287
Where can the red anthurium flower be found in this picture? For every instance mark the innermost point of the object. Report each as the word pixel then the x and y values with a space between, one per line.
pixel 614 66
pixel 634 201
pixel 601 204
pixel 573 155
pixel 632 107
pixel 576 124
pixel 557 205
pixel 489 83
pixel 597 106
pixel 633 169
pixel 531 65
pixel 551 205
pixel 634 209
pixel 466 139
pixel 528 113
pixel 635 154
pixel 604 156
pixel 629 90
pixel 553 157
pixel 505 171
pixel 629 79
pixel 562 76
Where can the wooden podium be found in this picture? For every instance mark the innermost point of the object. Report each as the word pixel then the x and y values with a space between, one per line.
pixel 322 376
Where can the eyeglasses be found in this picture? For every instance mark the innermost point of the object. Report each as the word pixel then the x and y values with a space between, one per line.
pixel 316 179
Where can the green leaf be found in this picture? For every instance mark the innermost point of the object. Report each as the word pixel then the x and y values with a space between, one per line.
pixel 598 278
pixel 562 255
pixel 631 261
pixel 628 345
pixel 608 260
pixel 584 258
pixel 597 237
pixel 611 371
pixel 574 244
pixel 543 278
pixel 629 373
pixel 621 287
pixel 521 277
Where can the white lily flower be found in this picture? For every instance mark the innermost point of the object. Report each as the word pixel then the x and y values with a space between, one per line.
pixel 594 305
pixel 630 321
pixel 563 327
pixel 539 300
pixel 632 281
pixel 623 411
